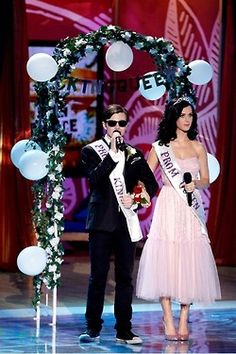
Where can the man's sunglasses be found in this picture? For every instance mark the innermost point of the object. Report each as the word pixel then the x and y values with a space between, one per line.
pixel 112 123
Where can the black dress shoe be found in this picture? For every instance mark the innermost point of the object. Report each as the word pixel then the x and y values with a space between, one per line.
pixel 128 337
pixel 89 336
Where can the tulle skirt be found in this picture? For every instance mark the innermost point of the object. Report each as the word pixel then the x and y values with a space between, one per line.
pixel 177 259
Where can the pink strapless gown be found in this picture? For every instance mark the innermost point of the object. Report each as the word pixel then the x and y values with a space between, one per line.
pixel 177 259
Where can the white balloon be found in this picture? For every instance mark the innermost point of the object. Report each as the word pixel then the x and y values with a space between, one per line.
pixel 32 260
pixel 119 56
pixel 149 86
pixel 20 148
pixel 213 166
pixel 32 164
pixel 201 73
pixel 41 67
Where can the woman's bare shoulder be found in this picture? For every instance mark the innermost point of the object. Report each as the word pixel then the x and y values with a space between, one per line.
pixel 199 147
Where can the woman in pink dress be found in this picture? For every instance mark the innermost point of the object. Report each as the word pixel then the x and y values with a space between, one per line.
pixel 177 263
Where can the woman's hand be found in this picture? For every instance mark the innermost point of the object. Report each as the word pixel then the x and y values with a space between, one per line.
pixel 188 187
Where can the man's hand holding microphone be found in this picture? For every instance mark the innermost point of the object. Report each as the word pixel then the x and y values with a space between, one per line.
pixel 117 142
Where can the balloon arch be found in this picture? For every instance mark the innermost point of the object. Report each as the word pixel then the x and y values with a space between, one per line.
pixel 172 73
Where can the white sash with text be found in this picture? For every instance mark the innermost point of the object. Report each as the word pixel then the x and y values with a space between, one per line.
pixel 175 176
pixel 119 187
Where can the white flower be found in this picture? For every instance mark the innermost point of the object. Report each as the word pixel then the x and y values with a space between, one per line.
pixel 180 64
pixel 138 45
pixel 79 42
pixel 51 103
pixel 126 35
pixel 52 268
pixel 51 230
pixel 48 250
pixel 48 116
pixel 66 52
pixel 50 134
pixel 58 216
pixel 153 51
pixel 89 49
pixel 61 62
pixel 54 242
pixel 58 189
pixel 45 282
pixel 59 168
pixel 52 177
pixel 149 38
pixel 103 40
pixel 169 47
pixel 56 195
pixel 56 276
pixel 111 27
pixel 130 151
pixel 55 148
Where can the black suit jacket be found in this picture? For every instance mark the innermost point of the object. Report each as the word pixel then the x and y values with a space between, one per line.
pixel 103 209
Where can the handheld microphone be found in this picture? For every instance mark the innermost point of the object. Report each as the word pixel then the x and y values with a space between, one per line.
pixel 120 144
pixel 188 179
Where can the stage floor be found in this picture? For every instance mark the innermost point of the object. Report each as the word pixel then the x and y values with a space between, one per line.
pixel 213 328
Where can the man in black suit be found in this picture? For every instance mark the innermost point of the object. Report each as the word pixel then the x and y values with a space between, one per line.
pixel 114 168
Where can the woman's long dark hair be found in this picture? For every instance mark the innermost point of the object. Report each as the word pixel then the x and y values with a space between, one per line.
pixel 167 127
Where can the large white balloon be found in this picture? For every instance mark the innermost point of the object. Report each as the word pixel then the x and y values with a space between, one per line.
pixel 201 73
pixel 41 67
pixel 119 56
pixel 32 260
pixel 20 148
pixel 213 166
pixel 150 86
pixel 32 164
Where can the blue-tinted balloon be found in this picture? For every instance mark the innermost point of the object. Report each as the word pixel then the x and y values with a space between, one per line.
pixel 33 164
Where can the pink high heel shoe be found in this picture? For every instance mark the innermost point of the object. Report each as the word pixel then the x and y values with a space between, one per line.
pixel 169 337
pixel 183 337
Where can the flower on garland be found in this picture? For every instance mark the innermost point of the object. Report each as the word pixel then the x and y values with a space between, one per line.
pixel 140 196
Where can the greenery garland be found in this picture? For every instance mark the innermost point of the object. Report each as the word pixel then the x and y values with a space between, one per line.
pixel 48 207
pixel 48 133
